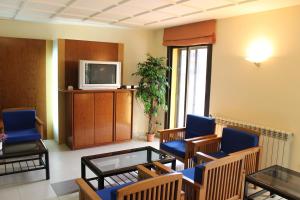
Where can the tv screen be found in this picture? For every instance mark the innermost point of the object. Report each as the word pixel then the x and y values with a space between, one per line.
pixel 100 73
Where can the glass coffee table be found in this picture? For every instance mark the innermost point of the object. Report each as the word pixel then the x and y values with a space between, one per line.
pixel 277 180
pixel 24 157
pixel 120 166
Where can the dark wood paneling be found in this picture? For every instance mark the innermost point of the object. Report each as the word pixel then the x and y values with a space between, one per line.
pixel 76 50
pixel 23 75
pixel 83 120
pixel 123 112
pixel 104 115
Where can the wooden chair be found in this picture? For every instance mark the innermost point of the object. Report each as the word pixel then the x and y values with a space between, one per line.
pixel 221 179
pixel 234 141
pixel 151 187
pixel 178 141
pixel 22 124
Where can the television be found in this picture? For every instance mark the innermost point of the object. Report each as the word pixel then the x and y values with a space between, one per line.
pixel 99 75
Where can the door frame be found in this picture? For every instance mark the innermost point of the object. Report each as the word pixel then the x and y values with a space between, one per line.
pixel 169 79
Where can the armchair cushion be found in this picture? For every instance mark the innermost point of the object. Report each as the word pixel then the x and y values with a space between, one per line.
pixel 18 120
pixel 22 136
pixel 234 140
pixel 194 173
pixel 199 126
pixel 111 193
pixel 176 147
pixel 189 173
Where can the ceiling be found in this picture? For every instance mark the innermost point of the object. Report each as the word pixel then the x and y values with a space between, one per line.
pixel 133 13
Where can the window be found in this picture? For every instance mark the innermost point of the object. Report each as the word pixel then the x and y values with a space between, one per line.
pixel 189 82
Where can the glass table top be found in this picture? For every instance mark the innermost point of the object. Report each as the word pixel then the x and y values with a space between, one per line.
pixel 125 159
pixel 19 149
pixel 279 178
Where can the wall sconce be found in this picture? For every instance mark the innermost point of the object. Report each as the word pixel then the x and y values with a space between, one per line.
pixel 259 51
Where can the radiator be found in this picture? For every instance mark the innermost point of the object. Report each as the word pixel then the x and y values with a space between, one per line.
pixel 276 144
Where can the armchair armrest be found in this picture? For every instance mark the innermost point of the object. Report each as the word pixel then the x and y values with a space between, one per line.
pixel 39 121
pixel 39 125
pixel 162 169
pixel 144 173
pixel 247 151
pixel 204 157
pixel 171 134
pixel 190 148
pixel 207 141
pixel 85 191
pixel 201 138
pixel 168 131
pixel 209 145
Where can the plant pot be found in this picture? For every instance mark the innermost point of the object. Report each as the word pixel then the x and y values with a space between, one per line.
pixel 150 137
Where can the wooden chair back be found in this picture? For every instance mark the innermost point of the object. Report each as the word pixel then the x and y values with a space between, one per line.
pixel 222 179
pixel 155 187
pixel 160 188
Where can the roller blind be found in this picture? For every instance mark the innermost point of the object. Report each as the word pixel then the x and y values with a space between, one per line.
pixel 191 34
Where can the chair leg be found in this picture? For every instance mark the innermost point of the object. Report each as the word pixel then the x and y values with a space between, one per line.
pixel 186 163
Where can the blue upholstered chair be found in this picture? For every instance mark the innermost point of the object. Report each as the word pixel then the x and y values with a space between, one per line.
pixel 178 141
pixel 219 179
pixel 234 141
pixel 152 186
pixel 21 125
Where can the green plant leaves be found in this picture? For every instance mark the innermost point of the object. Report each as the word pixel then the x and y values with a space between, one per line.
pixel 152 86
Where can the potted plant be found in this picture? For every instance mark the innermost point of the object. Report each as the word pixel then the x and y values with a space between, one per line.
pixel 151 90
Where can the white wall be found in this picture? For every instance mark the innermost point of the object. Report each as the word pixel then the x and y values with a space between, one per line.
pixel 267 95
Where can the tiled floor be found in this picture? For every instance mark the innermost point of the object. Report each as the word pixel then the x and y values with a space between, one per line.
pixel 64 165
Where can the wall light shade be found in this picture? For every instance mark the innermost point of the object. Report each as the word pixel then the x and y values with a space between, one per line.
pixel 259 51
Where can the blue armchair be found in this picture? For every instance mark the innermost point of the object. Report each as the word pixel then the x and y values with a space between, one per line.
pixel 178 141
pixel 234 141
pixel 21 125
pixel 219 179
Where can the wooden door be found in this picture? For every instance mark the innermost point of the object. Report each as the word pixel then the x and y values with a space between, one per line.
pixel 83 120
pixel 104 115
pixel 123 115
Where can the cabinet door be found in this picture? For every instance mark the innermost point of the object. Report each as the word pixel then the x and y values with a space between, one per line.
pixel 83 120
pixel 123 115
pixel 104 116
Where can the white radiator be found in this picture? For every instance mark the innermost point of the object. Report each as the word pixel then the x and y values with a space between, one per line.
pixel 276 144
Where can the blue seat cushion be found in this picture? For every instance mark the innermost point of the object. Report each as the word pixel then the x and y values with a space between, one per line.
pixel 111 193
pixel 18 120
pixel 189 172
pixel 195 173
pixel 22 136
pixel 176 147
pixel 197 126
pixel 234 140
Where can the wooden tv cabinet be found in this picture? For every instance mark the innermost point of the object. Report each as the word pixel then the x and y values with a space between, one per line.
pixel 97 117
